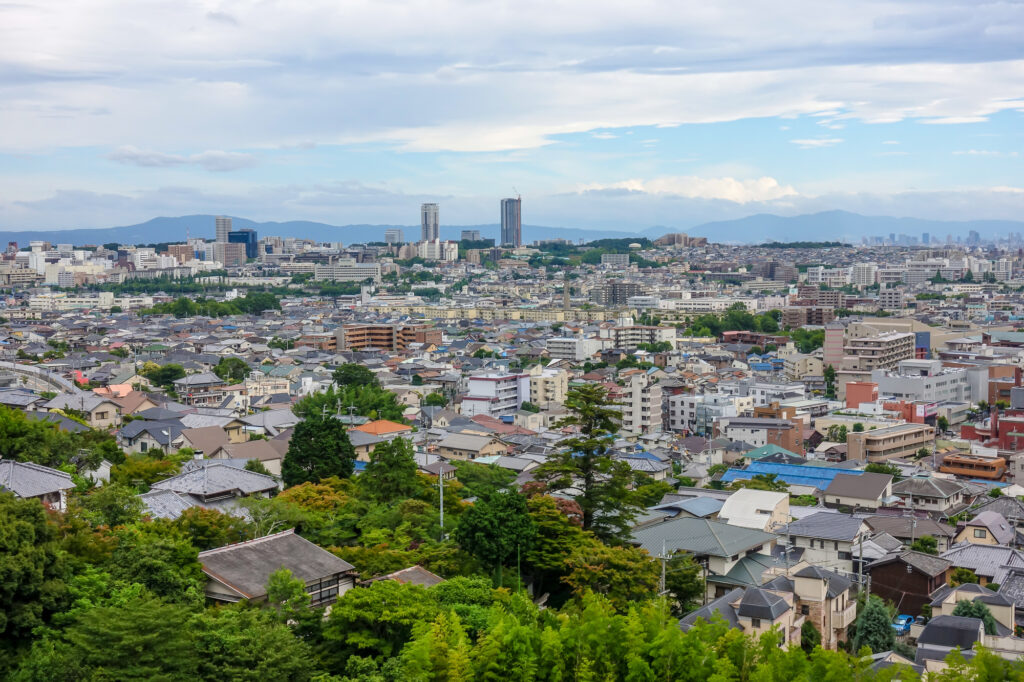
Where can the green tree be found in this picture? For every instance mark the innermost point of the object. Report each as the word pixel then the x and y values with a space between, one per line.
pixel 141 471
pixel 374 621
pixel 111 505
pixel 249 645
pixel 438 651
pixel 884 468
pixel 210 528
pixel 165 376
pixel 810 638
pixel 962 576
pixel 319 448
pixel 874 629
pixel 622 574
pixel 352 374
pixel 926 544
pixel 858 427
pixel 159 557
pixel 942 423
pixel 391 474
pixel 770 482
pixel 830 381
pixel 977 609
pixel 684 581
pixel 32 574
pixel 143 639
pixel 257 467
pixel 232 370
pixel 481 480
pixel 609 505
pixel 529 407
pixel 434 400
pixel 495 529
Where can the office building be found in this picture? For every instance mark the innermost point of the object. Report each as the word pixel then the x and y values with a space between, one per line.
pixel 471 236
pixel 346 270
pixel 223 229
pixel 247 238
pixel 394 236
pixel 512 222
pixel 430 222
pixel 615 292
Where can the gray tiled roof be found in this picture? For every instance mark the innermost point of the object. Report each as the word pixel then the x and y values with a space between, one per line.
pixel 26 479
pixel 837 584
pixel 928 487
pixel 828 526
pixel 926 563
pixel 700 537
pixel 952 631
pixel 247 566
pixel 721 606
pixel 216 477
pixel 165 504
pixel 986 560
pixel 758 603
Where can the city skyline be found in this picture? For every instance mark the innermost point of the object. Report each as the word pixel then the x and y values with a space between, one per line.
pixel 605 116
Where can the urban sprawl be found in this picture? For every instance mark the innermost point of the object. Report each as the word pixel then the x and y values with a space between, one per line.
pixel 420 459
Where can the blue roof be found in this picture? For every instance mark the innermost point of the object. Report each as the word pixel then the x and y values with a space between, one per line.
pixel 793 474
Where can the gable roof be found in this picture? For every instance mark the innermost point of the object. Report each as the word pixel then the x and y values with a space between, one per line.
pixel 213 477
pixel 721 606
pixel 382 427
pixel 867 485
pixel 828 526
pixel 700 537
pixel 758 603
pixel 246 567
pixel 994 522
pixel 27 479
pixel 928 564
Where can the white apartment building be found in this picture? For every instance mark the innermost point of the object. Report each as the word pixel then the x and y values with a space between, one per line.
pixel 573 348
pixel 863 274
pixel 640 405
pixel 925 380
pixel 496 395
pixel 437 250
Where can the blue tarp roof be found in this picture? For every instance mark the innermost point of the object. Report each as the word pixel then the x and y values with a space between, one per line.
pixel 793 474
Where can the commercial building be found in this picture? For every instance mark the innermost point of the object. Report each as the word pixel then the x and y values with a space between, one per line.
pixel 430 222
pixel 799 316
pixel 223 227
pixel 470 236
pixel 394 236
pixel 925 380
pixel 248 239
pixel 512 222
pixel 346 270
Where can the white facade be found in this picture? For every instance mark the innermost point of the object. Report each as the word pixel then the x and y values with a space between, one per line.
pixel 496 395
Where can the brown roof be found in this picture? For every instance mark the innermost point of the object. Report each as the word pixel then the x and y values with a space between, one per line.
pixel 866 486
pixel 253 449
pixel 208 439
pixel 381 427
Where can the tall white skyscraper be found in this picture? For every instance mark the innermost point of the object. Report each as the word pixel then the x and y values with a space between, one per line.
pixel 512 222
pixel 223 229
pixel 430 220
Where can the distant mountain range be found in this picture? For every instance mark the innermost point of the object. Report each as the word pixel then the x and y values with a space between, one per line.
pixel 755 229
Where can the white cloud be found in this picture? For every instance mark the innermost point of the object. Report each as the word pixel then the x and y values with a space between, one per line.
pixel 604 136
pixel 691 187
pixel 213 160
pixel 817 142
pixel 982 152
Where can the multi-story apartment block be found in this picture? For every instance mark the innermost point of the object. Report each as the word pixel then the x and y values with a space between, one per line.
pixel 548 387
pixel 496 395
pixel 890 442
pixel 924 380
pixel 632 336
pixel 574 348
pixel 640 403
pixel 615 292
pixel 392 337
pixel 346 270
pixel 884 351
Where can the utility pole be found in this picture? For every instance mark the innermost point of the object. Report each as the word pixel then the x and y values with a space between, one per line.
pixel 440 484
pixel 661 583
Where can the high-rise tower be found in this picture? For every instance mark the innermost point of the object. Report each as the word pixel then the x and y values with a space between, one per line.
pixel 430 220
pixel 223 229
pixel 512 222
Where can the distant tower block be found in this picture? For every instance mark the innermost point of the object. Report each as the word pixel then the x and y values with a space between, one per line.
pixel 223 229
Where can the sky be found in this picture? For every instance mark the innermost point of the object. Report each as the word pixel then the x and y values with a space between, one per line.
pixel 607 115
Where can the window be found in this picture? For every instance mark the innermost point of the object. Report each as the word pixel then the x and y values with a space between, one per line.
pixel 836 546
pixel 845 556
pixel 980 533
pixel 805 609
pixel 755 622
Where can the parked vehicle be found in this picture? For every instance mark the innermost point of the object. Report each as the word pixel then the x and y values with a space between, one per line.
pixel 902 624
